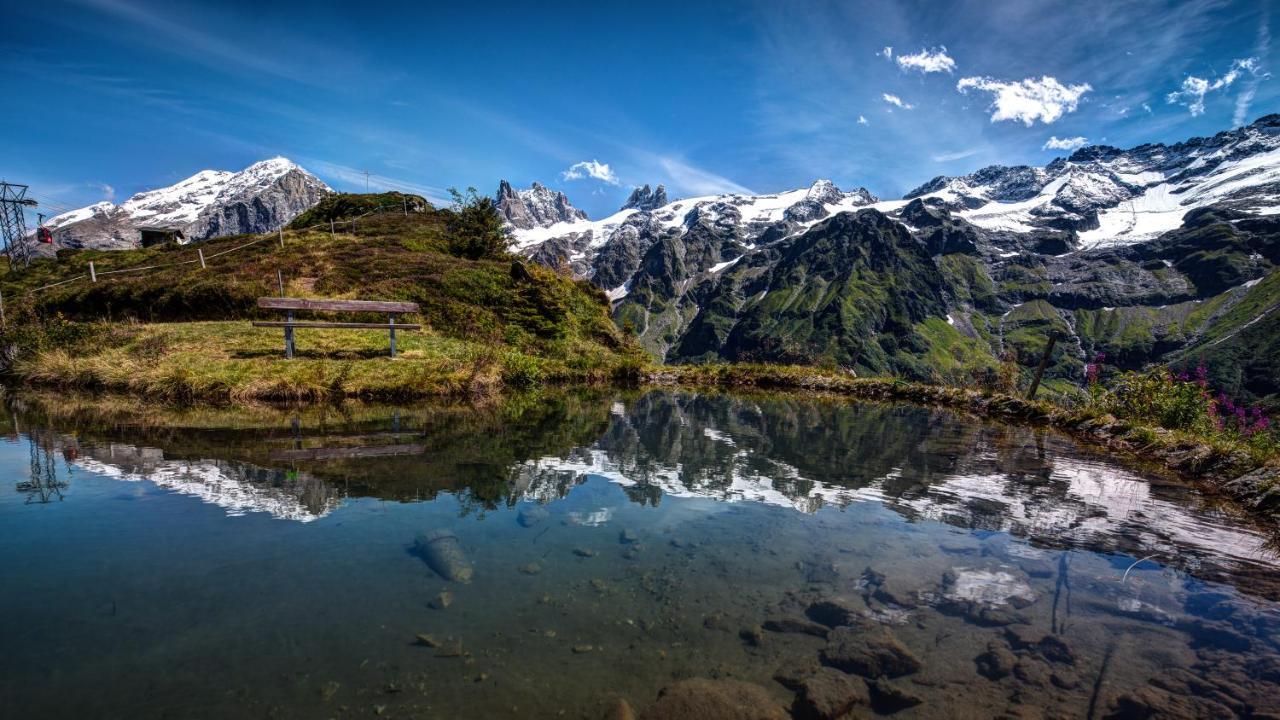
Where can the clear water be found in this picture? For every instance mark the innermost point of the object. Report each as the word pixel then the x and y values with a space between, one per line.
pixel 259 563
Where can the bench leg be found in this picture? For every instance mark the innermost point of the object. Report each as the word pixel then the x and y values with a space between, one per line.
pixel 393 335
pixel 288 339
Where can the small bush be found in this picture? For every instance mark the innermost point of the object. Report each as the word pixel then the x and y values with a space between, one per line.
pixel 521 371
pixel 475 228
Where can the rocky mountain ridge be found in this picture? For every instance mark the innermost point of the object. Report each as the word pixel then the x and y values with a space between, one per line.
pixel 211 203
pixel 537 207
pixel 1157 253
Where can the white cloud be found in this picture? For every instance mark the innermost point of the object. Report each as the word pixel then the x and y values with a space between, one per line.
pixel 928 61
pixel 862 120
pixel 1056 143
pixel 1044 99
pixel 108 192
pixel 591 168
pixel 1146 108
pixel 1194 88
pixel 895 100
pixel 886 53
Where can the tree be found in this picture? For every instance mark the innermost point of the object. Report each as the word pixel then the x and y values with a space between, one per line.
pixel 475 227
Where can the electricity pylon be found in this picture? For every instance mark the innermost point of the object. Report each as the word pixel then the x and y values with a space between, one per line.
pixel 13 223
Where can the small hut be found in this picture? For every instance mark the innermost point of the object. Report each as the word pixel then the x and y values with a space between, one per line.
pixel 152 235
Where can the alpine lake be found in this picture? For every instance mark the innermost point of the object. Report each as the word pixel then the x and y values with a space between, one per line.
pixel 688 554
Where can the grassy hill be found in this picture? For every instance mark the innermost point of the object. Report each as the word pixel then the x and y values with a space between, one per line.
pixel 179 330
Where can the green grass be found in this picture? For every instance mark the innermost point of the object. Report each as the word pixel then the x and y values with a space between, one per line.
pixel 181 331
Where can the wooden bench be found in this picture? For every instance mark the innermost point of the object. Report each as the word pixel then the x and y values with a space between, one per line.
pixel 291 305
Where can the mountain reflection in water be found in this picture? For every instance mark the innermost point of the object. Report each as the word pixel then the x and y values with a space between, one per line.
pixel 798 453
pixel 618 542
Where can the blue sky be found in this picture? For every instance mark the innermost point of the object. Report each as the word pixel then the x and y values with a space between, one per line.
pixel 112 97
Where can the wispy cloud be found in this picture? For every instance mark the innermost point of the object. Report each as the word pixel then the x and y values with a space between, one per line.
pixel 862 120
pixel 1194 89
pixel 196 44
pixel 683 178
pixel 1044 99
pixel 896 101
pixel 1056 143
pixel 928 61
pixel 886 53
pixel 591 169
pixel 355 179
pixel 1250 89
pixel 957 155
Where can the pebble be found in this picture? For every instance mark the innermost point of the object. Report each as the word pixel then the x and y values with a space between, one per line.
pixel 531 569
pixel 441 601
pixel 584 552
pixel 427 640
pixel 580 649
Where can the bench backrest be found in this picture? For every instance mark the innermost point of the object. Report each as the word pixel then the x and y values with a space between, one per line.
pixel 279 303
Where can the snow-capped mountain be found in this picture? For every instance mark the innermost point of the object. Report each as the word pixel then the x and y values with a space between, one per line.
pixel 536 207
pixel 1113 196
pixel 608 250
pixel 211 203
pixel 1112 249
pixel 642 198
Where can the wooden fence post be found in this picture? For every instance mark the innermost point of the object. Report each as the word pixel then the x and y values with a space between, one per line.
pixel 332 234
pixel 281 237
pixel 93 274
pixel 200 252
pixel 1044 363
pixel 406 205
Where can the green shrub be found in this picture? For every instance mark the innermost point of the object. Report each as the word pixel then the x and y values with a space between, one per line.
pixel 521 371
pixel 475 228
pixel 1157 396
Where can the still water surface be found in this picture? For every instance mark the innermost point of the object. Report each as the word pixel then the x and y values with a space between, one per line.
pixel 260 563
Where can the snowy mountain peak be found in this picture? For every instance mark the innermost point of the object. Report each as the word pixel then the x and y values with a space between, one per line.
pixel 537 207
pixel 1114 196
pixel 642 198
pixel 210 203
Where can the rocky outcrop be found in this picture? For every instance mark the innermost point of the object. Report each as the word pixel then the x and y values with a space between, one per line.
pixel 537 207
pixel 642 198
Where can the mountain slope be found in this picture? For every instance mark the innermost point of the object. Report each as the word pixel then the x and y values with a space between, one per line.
pixel 1140 254
pixel 211 203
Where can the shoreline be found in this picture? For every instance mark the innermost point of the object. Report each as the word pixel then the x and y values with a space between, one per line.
pixel 1218 468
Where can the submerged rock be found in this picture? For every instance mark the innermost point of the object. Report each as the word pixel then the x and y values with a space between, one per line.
pixel 869 653
pixel 795 625
pixel 532 515
pixel 887 697
pixel 703 699
pixel 997 662
pixel 441 601
pixel 620 709
pixel 831 613
pixel 828 694
pixel 443 554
